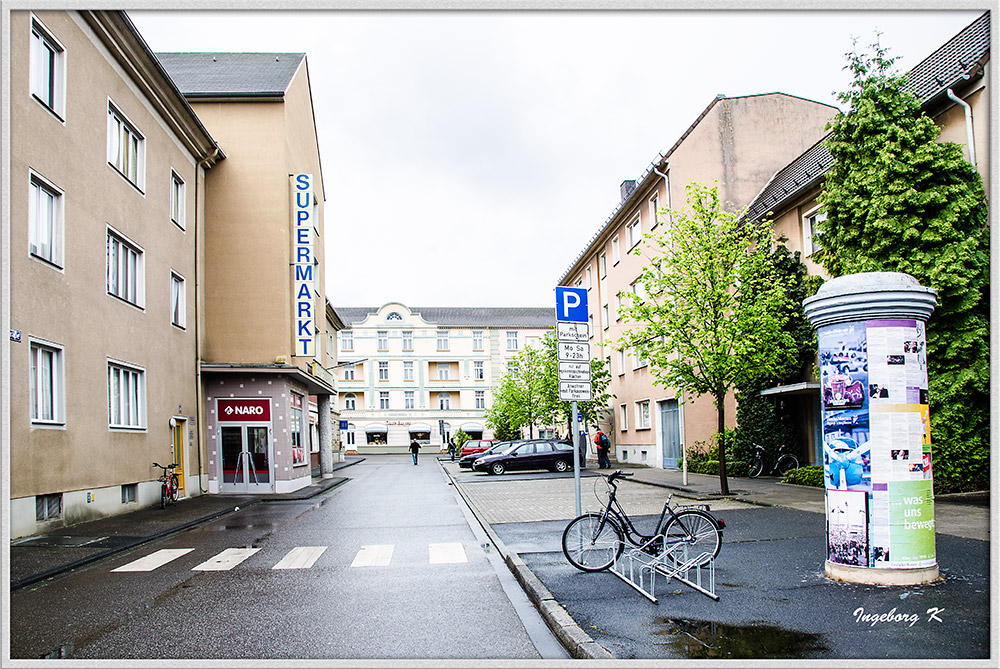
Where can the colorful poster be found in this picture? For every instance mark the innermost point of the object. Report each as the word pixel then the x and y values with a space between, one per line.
pixel 847 527
pixel 843 363
pixel 911 524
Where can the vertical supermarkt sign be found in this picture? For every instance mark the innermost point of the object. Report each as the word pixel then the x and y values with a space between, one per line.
pixel 573 344
pixel 304 297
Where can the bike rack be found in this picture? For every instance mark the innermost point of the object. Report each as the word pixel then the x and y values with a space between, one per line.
pixel 637 567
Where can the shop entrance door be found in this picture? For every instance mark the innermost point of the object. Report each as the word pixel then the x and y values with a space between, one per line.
pixel 178 440
pixel 246 459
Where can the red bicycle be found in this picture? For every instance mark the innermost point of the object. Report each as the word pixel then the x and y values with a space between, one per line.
pixel 169 485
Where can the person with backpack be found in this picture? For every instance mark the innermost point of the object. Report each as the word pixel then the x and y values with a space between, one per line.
pixel 603 446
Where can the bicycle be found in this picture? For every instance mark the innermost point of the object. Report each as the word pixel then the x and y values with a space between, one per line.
pixel 785 462
pixel 593 541
pixel 169 485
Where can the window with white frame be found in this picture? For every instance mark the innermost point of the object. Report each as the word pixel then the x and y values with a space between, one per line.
pixel 126 148
pixel 478 370
pixel 408 400
pixel 442 340
pixel 615 251
pixel 638 358
pixel 346 340
pixel 480 399
pixel 383 370
pixel 383 399
pixel 811 224
pixel 634 232
pixel 444 401
pixel 654 207
pixel 443 371
pixel 383 340
pixel 642 415
pixel 477 340
pixel 178 300
pixel 126 396
pixel 48 69
pixel 350 402
pixel 407 340
pixel 511 340
pixel 407 370
pixel 605 317
pixel 125 270
pixel 45 220
pixel 590 279
pixel 590 325
pixel 177 199
pixel 621 362
pixel 618 306
pixel 45 384
pixel 624 417
pixel 602 264
pixel 349 372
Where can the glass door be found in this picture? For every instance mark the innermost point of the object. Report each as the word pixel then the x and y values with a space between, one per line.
pixel 670 433
pixel 245 459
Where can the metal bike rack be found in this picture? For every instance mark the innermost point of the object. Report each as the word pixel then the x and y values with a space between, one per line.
pixel 639 568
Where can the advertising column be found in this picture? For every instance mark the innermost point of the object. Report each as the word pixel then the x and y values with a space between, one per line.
pixel 876 427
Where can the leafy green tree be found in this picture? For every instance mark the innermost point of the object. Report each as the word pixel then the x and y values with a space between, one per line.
pixel 711 311
pixel 897 200
pixel 522 397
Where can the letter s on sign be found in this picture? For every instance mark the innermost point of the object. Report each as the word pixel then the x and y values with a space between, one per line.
pixel 302 182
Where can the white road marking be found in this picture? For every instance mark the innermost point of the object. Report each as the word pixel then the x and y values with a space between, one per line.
pixel 300 557
pixel 226 560
pixel 154 560
pixel 447 553
pixel 373 556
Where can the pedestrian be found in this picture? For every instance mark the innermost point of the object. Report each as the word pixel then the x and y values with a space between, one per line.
pixel 452 447
pixel 603 446
pixel 414 449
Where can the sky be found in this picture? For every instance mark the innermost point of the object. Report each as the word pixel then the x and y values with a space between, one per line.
pixel 469 156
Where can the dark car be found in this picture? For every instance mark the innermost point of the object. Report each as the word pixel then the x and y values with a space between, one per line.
pixel 534 454
pixel 475 446
pixel 466 462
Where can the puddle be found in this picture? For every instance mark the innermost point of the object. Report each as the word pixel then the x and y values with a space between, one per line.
pixel 704 639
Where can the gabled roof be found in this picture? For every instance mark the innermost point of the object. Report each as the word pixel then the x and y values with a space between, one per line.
pixel 486 317
pixel 255 75
pixel 960 57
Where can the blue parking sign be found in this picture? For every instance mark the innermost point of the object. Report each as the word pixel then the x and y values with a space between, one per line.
pixel 571 304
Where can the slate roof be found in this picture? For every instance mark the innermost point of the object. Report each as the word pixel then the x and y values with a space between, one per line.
pixel 487 317
pixel 208 74
pixel 947 66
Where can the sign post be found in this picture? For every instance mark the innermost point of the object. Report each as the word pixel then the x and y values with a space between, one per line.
pixel 573 344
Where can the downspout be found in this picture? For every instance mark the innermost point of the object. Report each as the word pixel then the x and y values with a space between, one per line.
pixel 197 312
pixel 970 138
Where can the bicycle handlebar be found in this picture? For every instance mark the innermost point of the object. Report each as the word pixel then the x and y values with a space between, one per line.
pixel 165 467
pixel 619 474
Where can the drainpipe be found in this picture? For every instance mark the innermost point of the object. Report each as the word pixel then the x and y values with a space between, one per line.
pixel 970 141
pixel 197 312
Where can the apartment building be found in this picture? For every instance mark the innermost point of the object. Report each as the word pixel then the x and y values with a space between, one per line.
pixel 738 141
pixel 425 373
pixel 106 183
pixel 952 84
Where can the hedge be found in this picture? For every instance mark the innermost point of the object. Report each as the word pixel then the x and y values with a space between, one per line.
pixel 810 476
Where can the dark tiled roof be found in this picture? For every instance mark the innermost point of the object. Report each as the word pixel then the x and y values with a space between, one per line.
pixel 526 317
pixel 947 66
pixel 231 74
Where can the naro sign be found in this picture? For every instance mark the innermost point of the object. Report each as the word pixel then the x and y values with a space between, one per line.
pixel 244 411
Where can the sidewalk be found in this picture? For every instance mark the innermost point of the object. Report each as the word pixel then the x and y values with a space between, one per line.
pixel 36 558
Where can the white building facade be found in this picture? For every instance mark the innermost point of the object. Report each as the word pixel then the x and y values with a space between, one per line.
pixel 425 373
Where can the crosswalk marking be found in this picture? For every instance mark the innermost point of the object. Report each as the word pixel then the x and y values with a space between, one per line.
pixel 226 560
pixel 373 556
pixel 154 560
pixel 447 553
pixel 300 557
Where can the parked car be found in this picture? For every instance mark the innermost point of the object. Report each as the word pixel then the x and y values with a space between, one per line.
pixel 475 446
pixel 534 454
pixel 466 462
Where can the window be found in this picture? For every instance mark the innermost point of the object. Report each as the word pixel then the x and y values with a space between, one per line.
pixel 408 370
pixel 45 221
pixel 618 306
pixel 298 447
pixel 477 340
pixel 590 279
pixel 624 417
pixel 383 340
pixel 125 270
pixel 602 264
pixel 45 384
pixel 654 207
pixel 346 340
pixel 126 396
pixel 480 399
pixel 638 358
pixel 642 415
pixel 442 340
pixel 478 370
pixel 48 507
pixel 350 402
pixel 349 372
pixel 407 340
pixel 394 316
pixel 48 67
pixel 615 252
pixel 444 371
pixel 590 325
pixel 634 232
pixel 811 224
pixel 177 200
pixel 383 399
pixel 444 401
pixel 178 300
pixel 621 362
pixel 511 340
pixel 129 492
pixel 126 148
pixel 606 316
pixel 408 399
pixel 383 371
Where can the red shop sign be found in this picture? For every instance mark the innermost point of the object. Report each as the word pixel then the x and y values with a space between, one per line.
pixel 244 411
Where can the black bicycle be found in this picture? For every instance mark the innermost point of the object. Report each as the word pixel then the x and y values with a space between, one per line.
pixel 785 462
pixel 594 540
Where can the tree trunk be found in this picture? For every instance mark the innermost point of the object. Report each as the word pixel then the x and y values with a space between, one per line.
pixel 720 399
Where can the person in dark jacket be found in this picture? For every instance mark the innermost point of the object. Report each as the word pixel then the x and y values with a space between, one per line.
pixel 414 449
pixel 603 446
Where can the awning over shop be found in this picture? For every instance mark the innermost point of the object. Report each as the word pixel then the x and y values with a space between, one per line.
pixel 472 427
pixel 804 388
pixel 420 427
pixel 376 427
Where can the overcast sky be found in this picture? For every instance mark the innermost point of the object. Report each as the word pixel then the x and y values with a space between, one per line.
pixel 469 156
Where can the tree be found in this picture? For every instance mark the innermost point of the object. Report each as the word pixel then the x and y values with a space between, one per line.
pixel 896 200
pixel 709 310
pixel 522 398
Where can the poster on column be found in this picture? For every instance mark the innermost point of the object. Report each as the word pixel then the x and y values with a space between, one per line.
pixel 847 527
pixel 911 524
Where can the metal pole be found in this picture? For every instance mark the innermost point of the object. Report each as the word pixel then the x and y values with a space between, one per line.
pixel 576 456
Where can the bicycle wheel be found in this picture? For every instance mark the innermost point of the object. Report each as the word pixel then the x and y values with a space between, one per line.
pixel 756 467
pixel 786 463
pixel 697 532
pixel 175 487
pixel 590 547
pixel 163 495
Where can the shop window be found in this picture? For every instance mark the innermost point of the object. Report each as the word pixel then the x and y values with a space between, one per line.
pixel 377 438
pixel 298 447
pixel 420 437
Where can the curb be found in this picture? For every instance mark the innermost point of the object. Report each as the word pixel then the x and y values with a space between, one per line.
pixel 578 643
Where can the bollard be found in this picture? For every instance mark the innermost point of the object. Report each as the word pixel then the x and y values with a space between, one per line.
pixel 876 427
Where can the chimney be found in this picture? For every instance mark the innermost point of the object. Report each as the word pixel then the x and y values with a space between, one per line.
pixel 627 187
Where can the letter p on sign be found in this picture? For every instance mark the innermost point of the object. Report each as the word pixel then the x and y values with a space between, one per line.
pixel 571 304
